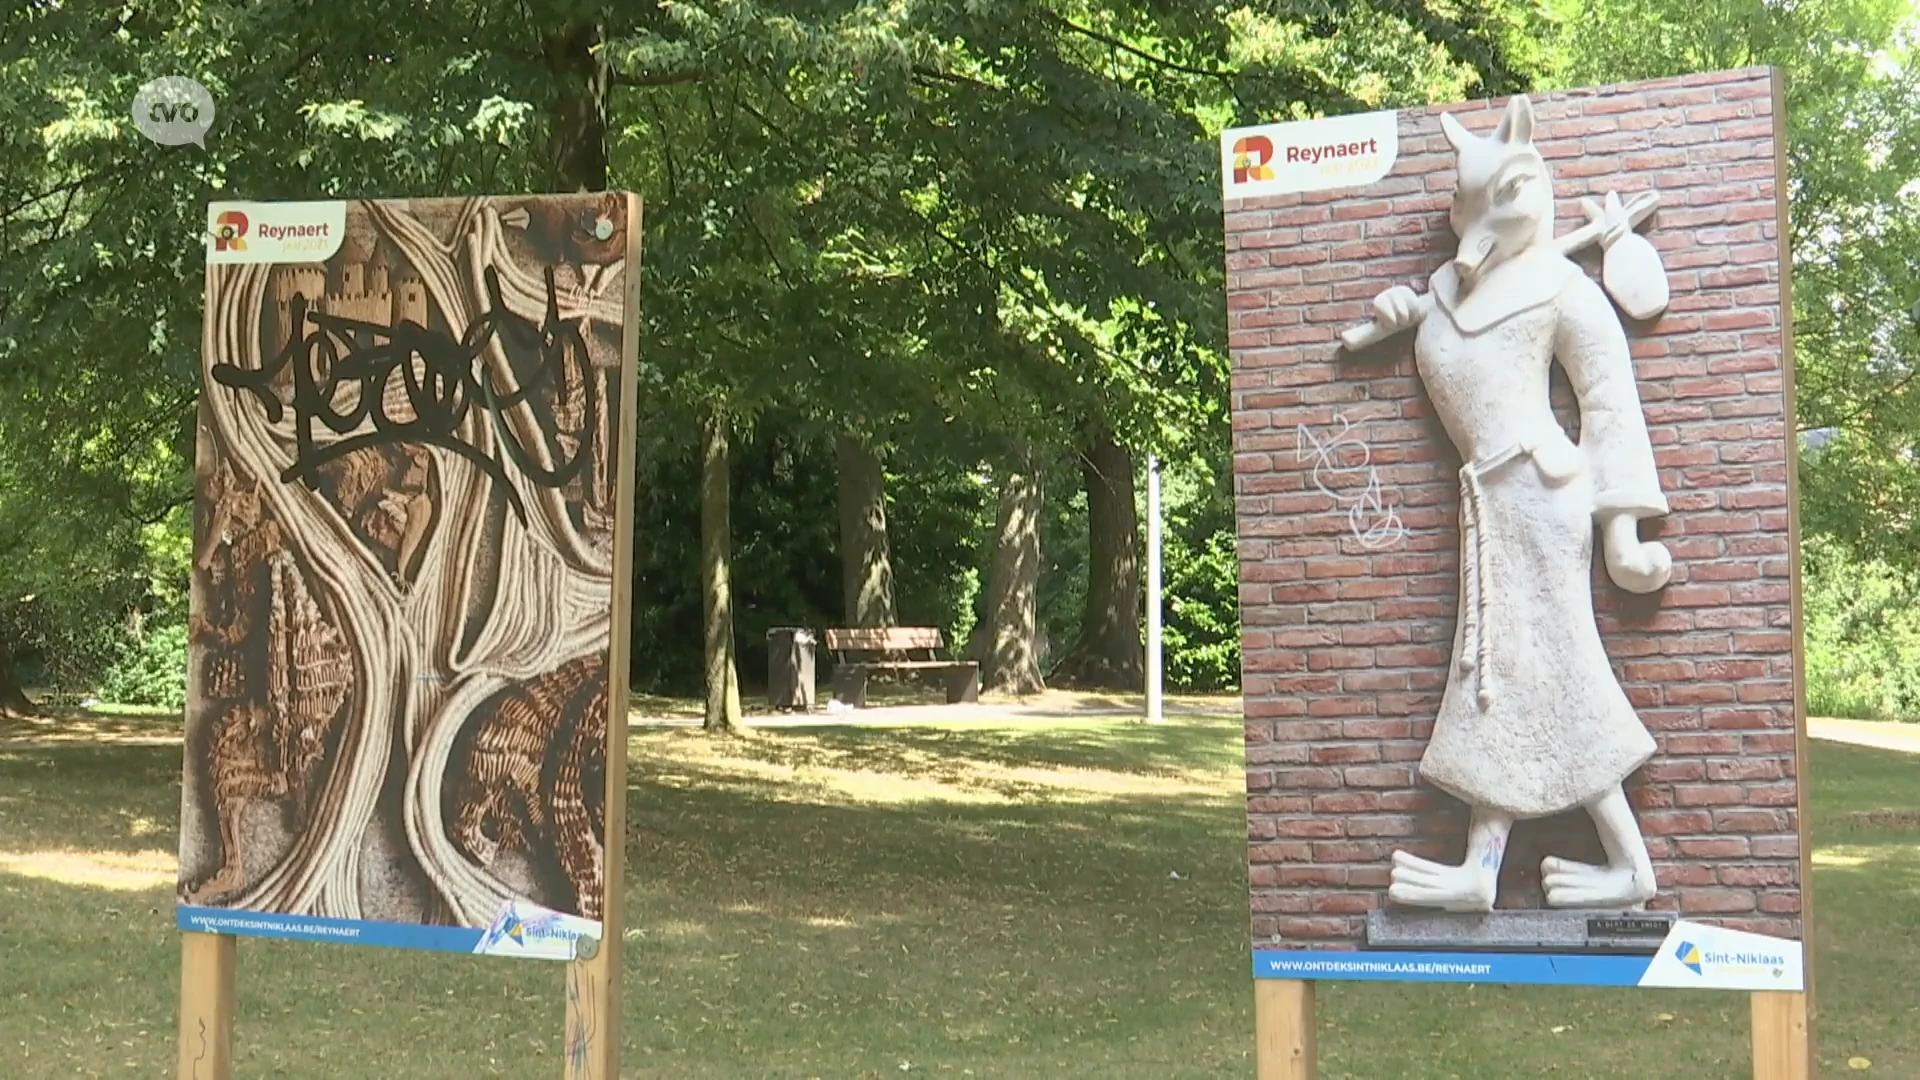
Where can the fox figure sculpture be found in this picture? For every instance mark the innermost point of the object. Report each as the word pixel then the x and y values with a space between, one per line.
pixel 1532 721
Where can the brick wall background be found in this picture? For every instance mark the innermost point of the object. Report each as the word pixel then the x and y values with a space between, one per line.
pixel 1346 647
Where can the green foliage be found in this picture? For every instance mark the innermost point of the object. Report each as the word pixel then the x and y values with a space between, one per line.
pixel 1853 152
pixel 946 227
pixel 1200 569
pixel 1862 636
pixel 151 670
pixel 939 525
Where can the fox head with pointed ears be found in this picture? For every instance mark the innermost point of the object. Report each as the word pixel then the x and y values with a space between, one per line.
pixel 1503 200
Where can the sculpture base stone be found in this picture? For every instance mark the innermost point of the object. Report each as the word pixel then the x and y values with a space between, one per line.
pixel 1638 932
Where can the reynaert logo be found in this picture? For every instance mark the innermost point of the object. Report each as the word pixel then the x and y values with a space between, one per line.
pixel 1250 157
pixel 229 231
pixel 1308 155
pixel 1689 956
pixel 275 232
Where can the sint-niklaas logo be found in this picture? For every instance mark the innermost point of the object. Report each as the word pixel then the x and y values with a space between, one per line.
pixel 1689 956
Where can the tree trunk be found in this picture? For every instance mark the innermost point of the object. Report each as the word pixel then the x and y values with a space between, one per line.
pixel 1109 654
pixel 716 575
pixel 866 563
pixel 1007 641
pixel 577 136
pixel 14 702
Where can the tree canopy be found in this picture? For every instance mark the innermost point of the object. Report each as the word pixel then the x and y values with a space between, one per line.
pixel 957 241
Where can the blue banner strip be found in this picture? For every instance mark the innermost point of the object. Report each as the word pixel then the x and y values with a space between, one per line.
pixel 1569 969
pixel 318 928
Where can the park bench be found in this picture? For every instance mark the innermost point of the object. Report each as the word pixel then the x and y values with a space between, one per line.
pixel 859 652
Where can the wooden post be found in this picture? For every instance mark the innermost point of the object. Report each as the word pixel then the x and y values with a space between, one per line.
pixel 206 1006
pixel 1781 1047
pixel 592 1041
pixel 1283 1029
pixel 1783 1020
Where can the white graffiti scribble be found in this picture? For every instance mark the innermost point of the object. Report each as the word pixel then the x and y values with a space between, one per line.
pixel 1375 525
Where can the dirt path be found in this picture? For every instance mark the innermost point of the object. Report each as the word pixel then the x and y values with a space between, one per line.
pixel 1883 735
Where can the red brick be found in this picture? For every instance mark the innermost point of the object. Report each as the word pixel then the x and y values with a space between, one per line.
pixel 1675 822
pixel 1717 847
pixel 1344 754
pixel 1394 825
pixel 1674 876
pixel 1346 802
pixel 1716 901
pixel 1749 821
pixel 1374 729
pixel 1756 876
pixel 1311 928
pixel 1367 776
pixel 1325 779
pixel 1310 876
pixel 1345 903
pixel 1280 852
pixel 1699 694
pixel 1708 795
pixel 1350 705
pixel 1310 828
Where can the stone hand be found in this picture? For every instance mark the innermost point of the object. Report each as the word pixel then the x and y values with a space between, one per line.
pixel 1398 308
pixel 1635 566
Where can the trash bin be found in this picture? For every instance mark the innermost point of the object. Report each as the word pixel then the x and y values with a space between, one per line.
pixel 790 668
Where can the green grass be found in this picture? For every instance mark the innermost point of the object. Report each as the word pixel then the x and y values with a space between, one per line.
pixel 837 902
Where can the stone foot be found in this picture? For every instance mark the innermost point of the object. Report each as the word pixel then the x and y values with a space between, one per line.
pixel 1418 882
pixel 1582 885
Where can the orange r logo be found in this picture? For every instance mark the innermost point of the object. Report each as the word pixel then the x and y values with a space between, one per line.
pixel 1250 157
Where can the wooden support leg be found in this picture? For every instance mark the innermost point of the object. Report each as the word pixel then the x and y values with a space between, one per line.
pixel 592 1049
pixel 1283 1025
pixel 1781 1048
pixel 207 964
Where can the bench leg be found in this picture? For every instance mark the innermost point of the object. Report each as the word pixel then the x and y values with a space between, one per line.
pixel 850 686
pixel 963 684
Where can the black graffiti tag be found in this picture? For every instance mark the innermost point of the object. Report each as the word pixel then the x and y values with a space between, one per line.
pixel 446 385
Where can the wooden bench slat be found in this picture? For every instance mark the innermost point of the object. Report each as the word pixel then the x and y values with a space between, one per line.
pixel 884 638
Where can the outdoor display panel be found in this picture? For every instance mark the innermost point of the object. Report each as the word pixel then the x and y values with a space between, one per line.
pixel 408 596
pixel 1514 477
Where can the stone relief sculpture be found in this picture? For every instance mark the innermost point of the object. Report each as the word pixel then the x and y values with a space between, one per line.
pixel 1533 721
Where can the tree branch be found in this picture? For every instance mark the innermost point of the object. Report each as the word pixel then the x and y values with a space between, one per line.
pixel 656 78
pixel 923 74
pixel 1115 43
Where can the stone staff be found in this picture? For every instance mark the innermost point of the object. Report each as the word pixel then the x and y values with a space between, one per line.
pixel 1624 269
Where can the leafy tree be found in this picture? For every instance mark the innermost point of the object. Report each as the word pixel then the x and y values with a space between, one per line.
pixel 1853 153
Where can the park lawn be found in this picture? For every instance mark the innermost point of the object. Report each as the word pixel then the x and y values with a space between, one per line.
pixel 1035 899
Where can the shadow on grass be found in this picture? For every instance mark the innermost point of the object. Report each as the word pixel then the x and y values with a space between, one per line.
pixel 1185 746
pixel 91 727
pixel 775 930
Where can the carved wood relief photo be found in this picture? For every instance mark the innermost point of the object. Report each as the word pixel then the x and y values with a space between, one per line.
pixel 404 581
